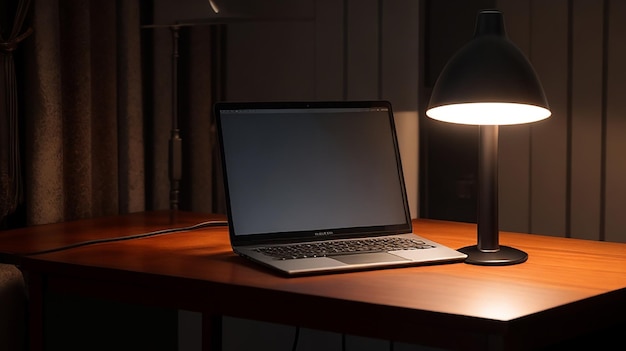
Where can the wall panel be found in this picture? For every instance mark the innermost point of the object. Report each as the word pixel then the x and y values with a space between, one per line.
pixel 271 60
pixel 448 151
pixel 399 81
pixel 548 52
pixel 399 53
pixel 514 141
pixel 329 50
pixel 362 50
pixel 615 173
pixel 586 119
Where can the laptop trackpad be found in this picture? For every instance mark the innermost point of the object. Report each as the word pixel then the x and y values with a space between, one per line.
pixel 368 258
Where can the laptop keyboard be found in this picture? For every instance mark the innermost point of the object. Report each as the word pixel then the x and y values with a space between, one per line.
pixel 342 247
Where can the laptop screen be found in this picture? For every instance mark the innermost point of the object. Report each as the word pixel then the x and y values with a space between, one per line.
pixel 311 170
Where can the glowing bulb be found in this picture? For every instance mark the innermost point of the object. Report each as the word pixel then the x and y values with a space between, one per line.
pixel 489 113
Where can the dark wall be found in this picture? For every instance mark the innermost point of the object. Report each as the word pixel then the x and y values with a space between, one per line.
pixel 448 152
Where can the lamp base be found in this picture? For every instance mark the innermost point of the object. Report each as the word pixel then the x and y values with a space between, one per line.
pixel 503 257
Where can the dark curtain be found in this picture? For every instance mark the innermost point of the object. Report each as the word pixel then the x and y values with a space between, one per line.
pixel 83 117
pixel 12 33
pixel 95 115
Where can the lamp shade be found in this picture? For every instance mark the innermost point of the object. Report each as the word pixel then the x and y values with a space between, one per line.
pixel 489 81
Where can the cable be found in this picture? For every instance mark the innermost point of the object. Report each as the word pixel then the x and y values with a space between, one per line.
pixel 130 237
pixel 296 336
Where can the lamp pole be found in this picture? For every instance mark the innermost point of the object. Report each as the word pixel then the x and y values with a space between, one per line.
pixel 488 231
pixel 175 142
pixel 488 251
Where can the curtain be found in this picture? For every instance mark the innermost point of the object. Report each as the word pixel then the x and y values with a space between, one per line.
pixel 96 113
pixel 11 22
pixel 83 111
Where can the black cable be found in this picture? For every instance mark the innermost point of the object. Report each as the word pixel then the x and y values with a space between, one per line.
pixel 296 336
pixel 130 237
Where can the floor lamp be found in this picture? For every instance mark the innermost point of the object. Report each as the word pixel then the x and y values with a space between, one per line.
pixel 489 82
pixel 175 145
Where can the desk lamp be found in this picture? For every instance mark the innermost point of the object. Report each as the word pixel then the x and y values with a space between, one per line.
pixel 489 82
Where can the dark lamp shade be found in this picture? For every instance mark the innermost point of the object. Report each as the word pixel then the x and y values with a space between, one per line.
pixel 489 81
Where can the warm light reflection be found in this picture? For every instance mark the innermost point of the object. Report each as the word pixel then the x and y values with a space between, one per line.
pixel 489 113
pixel 503 301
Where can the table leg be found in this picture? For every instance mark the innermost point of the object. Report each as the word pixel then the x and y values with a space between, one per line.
pixel 211 332
pixel 35 287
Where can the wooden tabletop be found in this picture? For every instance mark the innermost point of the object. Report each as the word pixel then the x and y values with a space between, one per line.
pixel 566 287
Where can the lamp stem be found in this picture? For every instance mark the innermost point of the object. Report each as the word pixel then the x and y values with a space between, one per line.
pixel 488 251
pixel 488 229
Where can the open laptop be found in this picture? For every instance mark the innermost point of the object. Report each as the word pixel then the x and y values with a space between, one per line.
pixel 299 175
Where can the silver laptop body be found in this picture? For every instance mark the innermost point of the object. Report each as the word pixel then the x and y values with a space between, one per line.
pixel 299 175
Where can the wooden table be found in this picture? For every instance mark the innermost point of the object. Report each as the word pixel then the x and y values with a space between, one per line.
pixel 567 288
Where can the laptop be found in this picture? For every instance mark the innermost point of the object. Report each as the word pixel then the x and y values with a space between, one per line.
pixel 317 187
